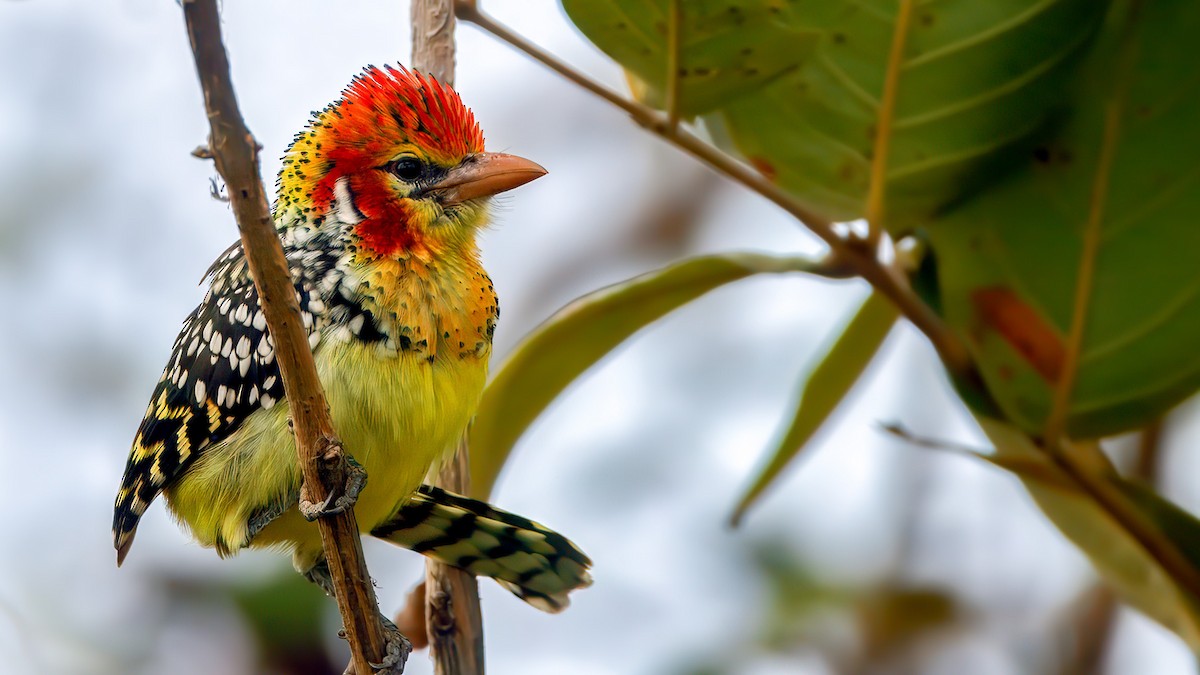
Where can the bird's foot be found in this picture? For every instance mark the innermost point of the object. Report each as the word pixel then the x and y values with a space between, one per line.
pixel 338 501
pixel 263 517
pixel 395 651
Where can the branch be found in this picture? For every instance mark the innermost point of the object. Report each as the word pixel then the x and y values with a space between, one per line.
pixel 452 616
pixel 433 38
pixel 1093 625
pixel 855 254
pixel 322 459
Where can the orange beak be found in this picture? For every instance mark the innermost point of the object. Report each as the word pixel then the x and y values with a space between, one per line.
pixel 484 175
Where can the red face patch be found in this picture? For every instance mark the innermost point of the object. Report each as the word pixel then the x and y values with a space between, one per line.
pixel 381 112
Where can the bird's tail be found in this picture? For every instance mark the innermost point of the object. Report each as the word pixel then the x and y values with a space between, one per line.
pixel 536 563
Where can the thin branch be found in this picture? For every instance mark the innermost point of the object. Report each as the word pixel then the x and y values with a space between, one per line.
pixel 1095 621
pixel 883 125
pixel 1084 468
pixel 1094 473
pixel 321 456
pixel 1091 629
pixel 929 443
pixel 854 254
pixel 452 616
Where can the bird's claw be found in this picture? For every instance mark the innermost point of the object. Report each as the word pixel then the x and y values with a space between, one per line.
pixel 337 501
pixel 396 649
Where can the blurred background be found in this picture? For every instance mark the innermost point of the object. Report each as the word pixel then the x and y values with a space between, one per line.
pixel 872 556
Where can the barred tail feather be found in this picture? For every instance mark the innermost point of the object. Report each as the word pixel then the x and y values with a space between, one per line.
pixel 536 563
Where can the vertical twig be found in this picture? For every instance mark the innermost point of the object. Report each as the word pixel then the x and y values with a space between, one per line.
pixel 1095 622
pixel 320 452
pixel 433 38
pixel 452 615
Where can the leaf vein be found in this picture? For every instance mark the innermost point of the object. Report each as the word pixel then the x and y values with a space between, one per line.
pixel 1016 21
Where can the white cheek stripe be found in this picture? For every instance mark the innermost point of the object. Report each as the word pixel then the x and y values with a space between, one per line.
pixel 343 203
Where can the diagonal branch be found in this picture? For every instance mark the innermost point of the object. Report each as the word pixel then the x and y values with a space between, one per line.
pixel 452 617
pixel 322 458
pixel 853 254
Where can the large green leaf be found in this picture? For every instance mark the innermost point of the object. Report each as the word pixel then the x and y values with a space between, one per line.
pixel 1009 259
pixel 825 388
pixel 1130 556
pixel 581 334
pixel 797 86
pixel 726 48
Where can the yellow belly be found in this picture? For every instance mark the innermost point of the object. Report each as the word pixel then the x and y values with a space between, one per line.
pixel 397 416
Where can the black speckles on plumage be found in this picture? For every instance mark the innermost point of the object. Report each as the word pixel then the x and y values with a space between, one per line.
pixel 538 564
pixel 222 367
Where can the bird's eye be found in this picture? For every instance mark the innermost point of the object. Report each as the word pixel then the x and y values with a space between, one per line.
pixel 407 168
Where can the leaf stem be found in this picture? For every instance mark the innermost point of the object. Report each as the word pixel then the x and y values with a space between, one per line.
pixel 877 191
pixel 674 22
pixel 862 259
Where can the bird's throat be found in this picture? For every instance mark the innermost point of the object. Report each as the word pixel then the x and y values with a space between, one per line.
pixel 433 308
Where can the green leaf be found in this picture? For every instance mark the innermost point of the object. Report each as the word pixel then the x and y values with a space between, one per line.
pixel 582 333
pixel 1131 561
pixel 1009 258
pixel 979 80
pixel 726 48
pixel 826 387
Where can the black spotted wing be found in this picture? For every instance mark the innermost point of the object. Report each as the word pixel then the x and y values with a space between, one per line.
pixel 222 369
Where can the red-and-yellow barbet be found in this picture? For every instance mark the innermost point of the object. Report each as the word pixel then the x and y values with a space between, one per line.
pixel 379 203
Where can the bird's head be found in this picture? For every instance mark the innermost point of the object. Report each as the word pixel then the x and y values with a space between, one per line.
pixel 399 161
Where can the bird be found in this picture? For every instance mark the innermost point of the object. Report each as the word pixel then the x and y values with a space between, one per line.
pixel 379 202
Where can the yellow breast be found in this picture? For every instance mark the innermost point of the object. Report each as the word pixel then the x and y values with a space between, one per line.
pixel 399 409
pixel 399 417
